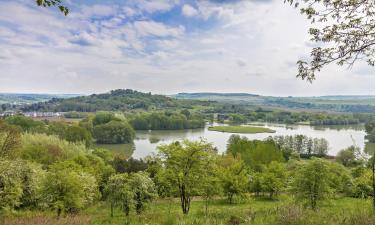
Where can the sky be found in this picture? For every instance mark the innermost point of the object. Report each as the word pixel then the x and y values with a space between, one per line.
pixel 165 47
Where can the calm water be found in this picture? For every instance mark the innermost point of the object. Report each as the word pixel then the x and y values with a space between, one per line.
pixel 339 137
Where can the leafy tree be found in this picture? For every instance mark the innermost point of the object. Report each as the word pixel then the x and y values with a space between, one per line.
pixel 77 134
pixel 10 140
pixel 349 156
pixel 312 182
pixel 68 189
pixel 185 167
pixel 20 184
pixel 343 32
pixel 143 189
pixel 11 187
pixel 119 193
pixel 273 179
pixel 46 149
pixel 26 123
pixel 103 118
pixel 123 165
pixel 114 132
pixel 234 177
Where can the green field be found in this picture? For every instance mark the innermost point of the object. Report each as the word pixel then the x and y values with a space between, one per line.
pixel 241 129
pixel 254 211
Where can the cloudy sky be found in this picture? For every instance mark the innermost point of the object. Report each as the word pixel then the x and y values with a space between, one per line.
pixel 163 46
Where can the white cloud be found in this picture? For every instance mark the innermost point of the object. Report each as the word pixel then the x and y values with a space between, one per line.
pixel 146 28
pixel 238 47
pixel 189 11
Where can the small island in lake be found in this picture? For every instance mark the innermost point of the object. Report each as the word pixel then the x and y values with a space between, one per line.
pixel 242 129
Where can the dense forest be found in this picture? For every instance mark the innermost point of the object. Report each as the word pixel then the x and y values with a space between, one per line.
pixel 116 100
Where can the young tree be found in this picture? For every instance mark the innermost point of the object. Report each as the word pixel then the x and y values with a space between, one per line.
pixel 312 182
pixel 185 167
pixel 343 31
pixel 67 189
pixel 119 193
pixel 234 177
pixel 273 179
pixel 143 189
pixel 349 156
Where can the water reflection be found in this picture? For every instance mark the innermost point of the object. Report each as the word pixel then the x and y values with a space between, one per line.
pixel 146 142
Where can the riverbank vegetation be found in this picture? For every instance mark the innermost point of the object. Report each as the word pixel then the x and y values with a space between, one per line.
pixel 46 177
pixel 241 129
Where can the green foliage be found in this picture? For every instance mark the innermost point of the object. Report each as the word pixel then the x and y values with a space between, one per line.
pixel 68 189
pixel 302 145
pixel 241 129
pixel 312 182
pixel 114 132
pixel 123 165
pixel 167 121
pixel 274 178
pixel 46 149
pixel 185 168
pixel 20 184
pixel 75 133
pixel 26 123
pixel 55 3
pixel 350 156
pixel 143 188
pixel 10 139
pixel 119 193
pixel 254 153
pixel 234 177
pixel 103 118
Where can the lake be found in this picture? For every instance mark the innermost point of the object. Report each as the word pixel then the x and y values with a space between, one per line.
pixel 339 137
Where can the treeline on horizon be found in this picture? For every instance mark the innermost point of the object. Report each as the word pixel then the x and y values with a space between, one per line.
pixel 46 171
pixel 133 101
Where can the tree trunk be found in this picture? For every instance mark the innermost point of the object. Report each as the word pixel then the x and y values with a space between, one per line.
pixel 185 200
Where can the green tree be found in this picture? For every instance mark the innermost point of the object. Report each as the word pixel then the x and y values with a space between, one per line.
pixel 119 193
pixel 10 140
pixel 349 156
pixel 103 118
pixel 143 189
pixel 312 182
pixel 273 179
pixel 68 189
pixel 114 132
pixel 185 167
pixel 234 177
pixel 75 133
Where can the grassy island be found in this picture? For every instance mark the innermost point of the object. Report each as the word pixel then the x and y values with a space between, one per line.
pixel 242 129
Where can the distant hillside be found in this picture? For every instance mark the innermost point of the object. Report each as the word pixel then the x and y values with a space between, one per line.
pixel 112 101
pixel 22 98
pixel 350 103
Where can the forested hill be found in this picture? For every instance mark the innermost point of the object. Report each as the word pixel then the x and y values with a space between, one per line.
pixel 339 103
pixel 121 99
pixel 24 98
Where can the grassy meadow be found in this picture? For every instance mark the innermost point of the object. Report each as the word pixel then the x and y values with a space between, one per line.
pixel 256 211
pixel 241 129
